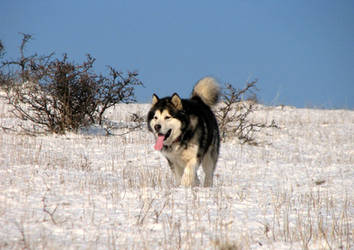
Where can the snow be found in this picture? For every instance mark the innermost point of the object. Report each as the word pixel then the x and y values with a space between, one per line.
pixel 96 191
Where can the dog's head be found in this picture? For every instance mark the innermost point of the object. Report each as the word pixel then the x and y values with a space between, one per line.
pixel 165 120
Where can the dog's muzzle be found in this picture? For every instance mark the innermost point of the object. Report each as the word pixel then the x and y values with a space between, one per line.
pixel 157 128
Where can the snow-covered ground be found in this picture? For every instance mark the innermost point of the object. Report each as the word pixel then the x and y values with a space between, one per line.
pixel 91 191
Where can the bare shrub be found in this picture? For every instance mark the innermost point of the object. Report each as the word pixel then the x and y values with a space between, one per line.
pixel 4 78
pixel 2 49
pixel 116 88
pixel 234 112
pixel 59 95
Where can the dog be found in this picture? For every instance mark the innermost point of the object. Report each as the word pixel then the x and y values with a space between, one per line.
pixel 187 133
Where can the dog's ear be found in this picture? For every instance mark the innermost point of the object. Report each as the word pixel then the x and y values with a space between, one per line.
pixel 155 99
pixel 176 101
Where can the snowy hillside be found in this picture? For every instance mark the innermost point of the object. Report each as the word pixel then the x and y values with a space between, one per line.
pixel 91 191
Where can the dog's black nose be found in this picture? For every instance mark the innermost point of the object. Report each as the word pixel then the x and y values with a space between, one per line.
pixel 157 127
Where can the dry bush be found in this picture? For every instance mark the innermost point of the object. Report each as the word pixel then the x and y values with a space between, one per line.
pixel 233 114
pixel 58 95
pixel 2 49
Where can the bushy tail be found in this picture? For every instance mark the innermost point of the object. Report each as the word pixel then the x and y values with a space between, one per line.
pixel 208 90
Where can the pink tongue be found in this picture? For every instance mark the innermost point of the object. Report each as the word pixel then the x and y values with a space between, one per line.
pixel 159 142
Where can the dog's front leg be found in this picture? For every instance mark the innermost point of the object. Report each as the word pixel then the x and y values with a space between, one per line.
pixel 190 178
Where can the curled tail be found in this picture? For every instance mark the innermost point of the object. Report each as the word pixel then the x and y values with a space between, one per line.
pixel 208 90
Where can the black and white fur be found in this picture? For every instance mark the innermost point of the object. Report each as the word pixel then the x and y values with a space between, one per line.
pixel 189 131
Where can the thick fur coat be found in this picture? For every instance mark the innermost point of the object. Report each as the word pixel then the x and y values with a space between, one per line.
pixel 186 132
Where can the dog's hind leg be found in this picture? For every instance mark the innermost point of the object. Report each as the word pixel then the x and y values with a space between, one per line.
pixel 209 164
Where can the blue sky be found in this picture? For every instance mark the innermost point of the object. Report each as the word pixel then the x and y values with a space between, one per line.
pixel 301 52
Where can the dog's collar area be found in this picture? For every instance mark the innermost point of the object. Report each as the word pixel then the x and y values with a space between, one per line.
pixel 178 139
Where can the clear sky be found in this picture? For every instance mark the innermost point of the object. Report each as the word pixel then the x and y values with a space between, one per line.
pixel 301 51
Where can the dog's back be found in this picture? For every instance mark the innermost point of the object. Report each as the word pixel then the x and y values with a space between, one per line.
pixel 208 91
pixel 205 94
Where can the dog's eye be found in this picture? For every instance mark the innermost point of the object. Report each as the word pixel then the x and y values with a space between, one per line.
pixel 155 117
pixel 167 117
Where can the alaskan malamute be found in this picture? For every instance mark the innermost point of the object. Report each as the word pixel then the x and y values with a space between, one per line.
pixel 186 132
